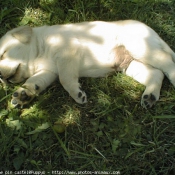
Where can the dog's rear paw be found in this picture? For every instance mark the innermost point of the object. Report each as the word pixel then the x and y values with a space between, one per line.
pixel 148 100
pixel 21 97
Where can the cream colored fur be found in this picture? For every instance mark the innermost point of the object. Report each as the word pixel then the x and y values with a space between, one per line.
pixel 42 54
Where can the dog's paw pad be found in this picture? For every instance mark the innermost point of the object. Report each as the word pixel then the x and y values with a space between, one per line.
pixel 148 100
pixel 81 97
pixel 21 97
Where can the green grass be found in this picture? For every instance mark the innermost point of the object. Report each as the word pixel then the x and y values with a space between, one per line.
pixel 112 132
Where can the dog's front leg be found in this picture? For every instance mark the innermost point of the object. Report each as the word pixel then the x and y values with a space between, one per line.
pixel 72 86
pixel 68 70
pixel 32 87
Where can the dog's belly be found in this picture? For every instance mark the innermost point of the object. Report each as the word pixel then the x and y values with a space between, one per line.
pixel 117 60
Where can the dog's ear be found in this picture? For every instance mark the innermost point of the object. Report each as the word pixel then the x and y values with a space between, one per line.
pixel 23 34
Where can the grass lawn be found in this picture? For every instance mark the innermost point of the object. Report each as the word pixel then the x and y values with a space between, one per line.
pixel 112 132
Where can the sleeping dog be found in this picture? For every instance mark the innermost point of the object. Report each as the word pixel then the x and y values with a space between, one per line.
pixel 40 55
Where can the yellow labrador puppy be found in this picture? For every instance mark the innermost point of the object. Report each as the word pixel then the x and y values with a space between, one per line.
pixel 90 49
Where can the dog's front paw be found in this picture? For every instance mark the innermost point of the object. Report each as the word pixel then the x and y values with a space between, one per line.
pixel 22 97
pixel 80 97
pixel 148 100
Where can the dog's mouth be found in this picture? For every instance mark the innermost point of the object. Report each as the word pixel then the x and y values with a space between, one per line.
pixel 4 82
pixel 1 77
pixel 5 79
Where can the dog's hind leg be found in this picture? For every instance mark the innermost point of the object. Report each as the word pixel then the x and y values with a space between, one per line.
pixel 163 60
pixel 167 65
pixel 150 77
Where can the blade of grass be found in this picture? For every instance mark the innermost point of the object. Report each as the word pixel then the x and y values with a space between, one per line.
pixel 164 116
pixel 61 142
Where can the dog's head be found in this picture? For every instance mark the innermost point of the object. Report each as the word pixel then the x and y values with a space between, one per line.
pixel 13 53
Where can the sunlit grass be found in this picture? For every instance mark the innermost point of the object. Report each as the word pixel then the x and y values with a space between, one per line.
pixel 112 131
